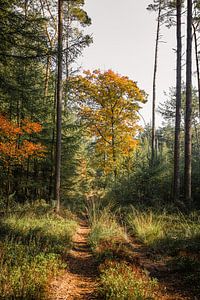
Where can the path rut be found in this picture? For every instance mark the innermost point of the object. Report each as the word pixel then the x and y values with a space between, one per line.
pixel 80 279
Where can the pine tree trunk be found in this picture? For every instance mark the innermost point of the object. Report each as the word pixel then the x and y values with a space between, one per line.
pixel 59 106
pixel 197 63
pixel 47 75
pixel 52 152
pixel 176 185
pixel 188 113
pixel 153 144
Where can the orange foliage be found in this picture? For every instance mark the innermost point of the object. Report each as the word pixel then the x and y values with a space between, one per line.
pixel 13 141
pixel 109 104
pixel 7 128
pixel 31 127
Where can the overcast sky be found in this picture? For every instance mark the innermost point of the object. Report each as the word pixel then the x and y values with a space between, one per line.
pixel 124 41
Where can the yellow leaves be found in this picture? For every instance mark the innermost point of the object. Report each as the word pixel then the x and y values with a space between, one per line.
pixel 109 104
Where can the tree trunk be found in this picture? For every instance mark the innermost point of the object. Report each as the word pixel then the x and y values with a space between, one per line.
pixel 188 112
pixel 114 151
pixel 176 183
pixel 154 87
pixel 197 63
pixel 47 75
pixel 52 152
pixel 59 106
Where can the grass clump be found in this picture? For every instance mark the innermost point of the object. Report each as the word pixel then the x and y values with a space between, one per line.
pixel 165 231
pixel 105 228
pixel 147 226
pixel 31 251
pixel 121 281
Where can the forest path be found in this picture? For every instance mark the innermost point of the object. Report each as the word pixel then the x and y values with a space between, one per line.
pixel 79 281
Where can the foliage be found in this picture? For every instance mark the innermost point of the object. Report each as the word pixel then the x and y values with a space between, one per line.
pixel 105 228
pixel 14 143
pixel 167 232
pixel 108 104
pixel 121 281
pixel 31 250
pixel 139 180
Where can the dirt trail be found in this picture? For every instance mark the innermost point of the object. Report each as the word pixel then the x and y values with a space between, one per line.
pixel 80 279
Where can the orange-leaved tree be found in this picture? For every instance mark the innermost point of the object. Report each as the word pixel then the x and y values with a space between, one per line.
pixel 16 145
pixel 109 104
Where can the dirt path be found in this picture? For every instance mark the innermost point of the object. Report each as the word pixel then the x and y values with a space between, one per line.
pixel 80 279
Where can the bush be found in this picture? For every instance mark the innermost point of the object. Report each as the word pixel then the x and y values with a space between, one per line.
pixel 31 250
pixel 120 281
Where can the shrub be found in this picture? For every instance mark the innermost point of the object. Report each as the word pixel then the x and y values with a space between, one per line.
pixel 121 281
pixel 30 253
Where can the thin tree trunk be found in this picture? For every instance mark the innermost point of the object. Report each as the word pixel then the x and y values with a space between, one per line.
pixel 59 106
pixel 154 87
pixel 176 182
pixel 114 151
pixel 197 63
pixel 188 113
pixel 47 75
pixel 52 148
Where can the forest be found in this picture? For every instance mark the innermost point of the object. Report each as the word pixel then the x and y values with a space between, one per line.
pixel 94 205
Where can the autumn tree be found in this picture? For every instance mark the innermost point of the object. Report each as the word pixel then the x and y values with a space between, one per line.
pixel 108 103
pixel 17 146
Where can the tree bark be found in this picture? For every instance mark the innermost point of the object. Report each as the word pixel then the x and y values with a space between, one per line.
pixel 59 106
pixel 176 182
pixel 47 75
pixel 197 63
pixel 188 111
pixel 154 87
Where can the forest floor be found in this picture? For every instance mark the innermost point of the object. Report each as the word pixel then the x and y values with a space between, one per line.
pixel 80 279
pixel 170 280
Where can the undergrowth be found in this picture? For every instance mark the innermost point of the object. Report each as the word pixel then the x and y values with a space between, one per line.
pixel 165 231
pixel 119 277
pixel 122 281
pixel 31 249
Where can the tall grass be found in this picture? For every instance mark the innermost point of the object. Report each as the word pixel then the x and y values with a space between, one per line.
pixel 31 250
pixel 104 226
pixel 159 229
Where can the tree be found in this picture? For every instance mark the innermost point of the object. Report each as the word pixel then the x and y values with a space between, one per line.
pixel 16 147
pixel 188 108
pixel 154 83
pixel 109 103
pixel 195 25
pixel 59 105
pixel 176 180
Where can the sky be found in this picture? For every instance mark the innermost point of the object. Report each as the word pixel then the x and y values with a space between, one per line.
pixel 124 40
